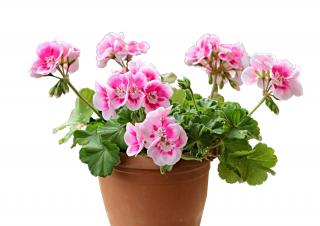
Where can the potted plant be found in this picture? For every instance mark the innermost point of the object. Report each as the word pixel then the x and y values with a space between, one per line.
pixel 150 141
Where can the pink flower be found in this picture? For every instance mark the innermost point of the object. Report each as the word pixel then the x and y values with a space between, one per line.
pixel 285 82
pixel 70 57
pixel 208 44
pixel 167 151
pixel 193 56
pixel 137 48
pixel 133 139
pixel 205 47
pixel 233 56
pixel 118 90
pixel 151 128
pixel 259 64
pixel 156 95
pixel 163 138
pixel 111 46
pixel 135 91
pixel 34 69
pixel 281 76
pixel 101 101
pixel 49 54
pixel 147 69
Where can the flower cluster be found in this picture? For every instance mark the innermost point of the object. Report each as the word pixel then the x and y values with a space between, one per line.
pixel 279 78
pixel 53 54
pixel 160 135
pixel 113 46
pixel 139 87
pixel 222 62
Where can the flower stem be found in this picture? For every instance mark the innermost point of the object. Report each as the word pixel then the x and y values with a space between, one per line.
pixel 122 64
pixel 214 90
pixel 83 99
pixel 194 100
pixel 258 105
pixel 51 75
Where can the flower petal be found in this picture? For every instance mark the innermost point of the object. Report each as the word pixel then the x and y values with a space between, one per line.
pixel 296 87
pixel 249 76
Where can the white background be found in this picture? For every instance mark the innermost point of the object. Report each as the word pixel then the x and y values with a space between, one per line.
pixel 44 184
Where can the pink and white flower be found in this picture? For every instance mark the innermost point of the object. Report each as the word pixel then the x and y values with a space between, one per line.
pixel 70 56
pixel 164 139
pixel 259 64
pixel 280 76
pixel 233 56
pixel 205 47
pixel 49 54
pixel 157 95
pixel 136 95
pixel 167 151
pixel 118 90
pixel 208 44
pixel 285 82
pixel 151 128
pixel 133 139
pixel 223 61
pixel 111 46
pixel 101 101
pixel 193 56
pixel 147 69
pixel 137 48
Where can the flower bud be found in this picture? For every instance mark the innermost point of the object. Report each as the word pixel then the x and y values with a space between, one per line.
pixel 184 83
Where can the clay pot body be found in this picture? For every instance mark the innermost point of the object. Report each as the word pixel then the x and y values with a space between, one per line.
pixel 136 194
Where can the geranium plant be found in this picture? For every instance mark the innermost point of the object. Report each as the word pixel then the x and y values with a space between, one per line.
pixel 139 111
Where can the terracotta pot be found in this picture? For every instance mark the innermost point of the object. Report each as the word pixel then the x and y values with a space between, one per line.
pixel 138 195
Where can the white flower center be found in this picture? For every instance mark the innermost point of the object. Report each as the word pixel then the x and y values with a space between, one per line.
pixel 50 60
pixel 166 145
pixel 278 79
pixel 161 132
pixel 152 97
pixel 134 92
pixel 120 91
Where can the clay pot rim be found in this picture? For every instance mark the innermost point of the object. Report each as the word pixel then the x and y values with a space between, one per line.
pixel 134 165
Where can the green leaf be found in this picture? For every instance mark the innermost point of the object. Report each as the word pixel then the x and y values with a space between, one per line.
pixel 241 125
pixel 272 105
pixel 234 115
pixel 82 111
pixel 251 166
pixel 113 132
pixel 80 137
pixel 251 126
pixel 205 104
pixel 100 155
pixel 124 115
pixel 165 168
pixel 94 125
pixel 241 153
pixel 234 145
pixel 228 174
pixel 179 96
pixel 233 105
pixel 79 117
pixel 219 99
pixel 168 78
